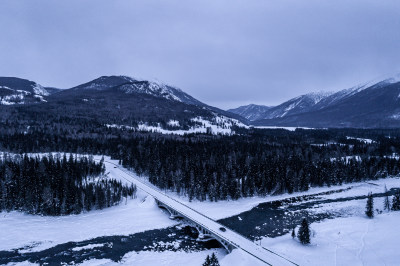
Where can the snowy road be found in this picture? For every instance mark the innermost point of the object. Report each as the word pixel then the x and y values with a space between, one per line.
pixel 261 254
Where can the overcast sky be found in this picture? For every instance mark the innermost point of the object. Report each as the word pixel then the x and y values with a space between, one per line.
pixel 223 52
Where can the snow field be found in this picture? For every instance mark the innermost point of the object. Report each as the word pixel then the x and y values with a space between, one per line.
pixel 354 240
pixel 165 258
pixel 43 232
pixel 218 125
pixel 345 241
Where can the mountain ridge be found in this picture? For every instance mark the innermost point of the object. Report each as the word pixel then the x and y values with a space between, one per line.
pixel 125 101
pixel 376 105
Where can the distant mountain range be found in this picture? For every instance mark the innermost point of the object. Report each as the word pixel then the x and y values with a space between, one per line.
pixel 369 105
pixel 251 112
pixel 121 101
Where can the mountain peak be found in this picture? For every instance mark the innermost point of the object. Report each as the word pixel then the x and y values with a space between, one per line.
pixel 393 79
pixel 129 85
pixel 251 112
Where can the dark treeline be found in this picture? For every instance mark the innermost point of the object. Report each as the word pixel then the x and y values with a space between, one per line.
pixel 218 170
pixel 55 185
pixel 206 167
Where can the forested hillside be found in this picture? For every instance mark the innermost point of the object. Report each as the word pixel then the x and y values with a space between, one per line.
pixel 230 169
pixel 55 185
pixel 206 167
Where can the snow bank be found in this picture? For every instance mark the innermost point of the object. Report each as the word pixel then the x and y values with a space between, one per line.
pixel 150 258
pixel 166 258
pixel 42 232
pixel 287 128
pixel 345 241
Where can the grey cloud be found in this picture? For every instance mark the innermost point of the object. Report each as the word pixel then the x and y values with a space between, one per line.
pixel 222 52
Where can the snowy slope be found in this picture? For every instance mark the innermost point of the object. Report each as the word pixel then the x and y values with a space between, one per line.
pixel 130 85
pixel 21 91
pixel 118 99
pixel 251 112
pixel 373 104
pixel 219 124
pixel 300 104
pixel 346 241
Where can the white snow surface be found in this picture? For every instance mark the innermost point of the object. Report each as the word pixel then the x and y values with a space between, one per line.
pixel 152 88
pixel 16 98
pixel 170 258
pixel 39 90
pixel 173 123
pixel 396 115
pixel 6 88
pixel 45 231
pixel 368 141
pixel 90 246
pixel 353 240
pixel 287 128
pixel 20 95
pixel 217 125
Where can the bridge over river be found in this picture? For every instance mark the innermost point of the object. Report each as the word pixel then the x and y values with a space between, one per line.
pixel 207 227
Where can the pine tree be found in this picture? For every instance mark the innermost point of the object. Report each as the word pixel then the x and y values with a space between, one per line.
pixel 214 260
pixel 207 262
pixel 369 209
pixel 304 232
pixel 386 202
pixel 396 202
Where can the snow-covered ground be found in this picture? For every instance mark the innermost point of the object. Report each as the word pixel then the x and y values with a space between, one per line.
pixel 42 232
pixel 217 125
pixel 287 128
pixel 345 241
pixel 177 259
pixel 168 258
pixel 368 141
pixel 352 240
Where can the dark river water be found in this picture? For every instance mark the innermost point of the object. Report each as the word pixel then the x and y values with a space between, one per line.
pixel 174 238
pixel 276 218
pixel 269 219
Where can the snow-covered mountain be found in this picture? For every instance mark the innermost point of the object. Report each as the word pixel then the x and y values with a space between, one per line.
pixel 298 105
pixel 130 85
pixel 251 112
pixel 124 101
pixel 127 103
pixel 368 105
pixel 21 91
